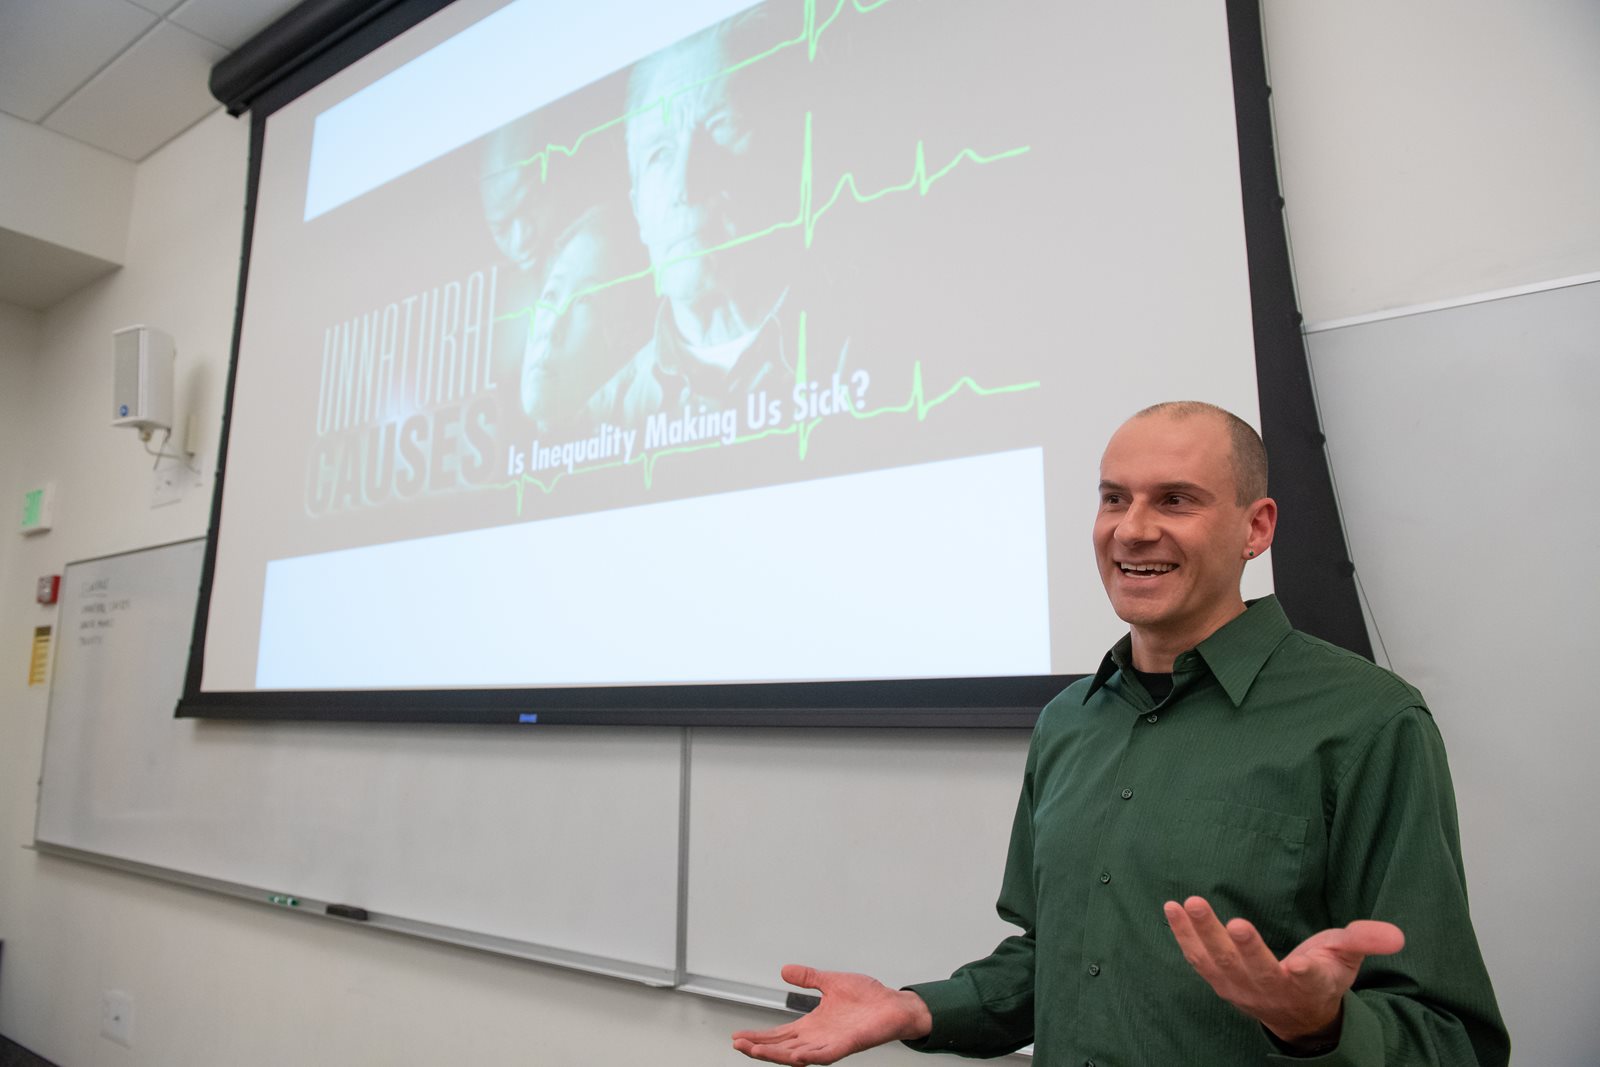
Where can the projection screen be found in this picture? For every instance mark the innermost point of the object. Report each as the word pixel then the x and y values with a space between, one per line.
pixel 628 362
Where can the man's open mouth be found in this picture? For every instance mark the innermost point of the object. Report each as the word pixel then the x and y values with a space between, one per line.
pixel 1146 570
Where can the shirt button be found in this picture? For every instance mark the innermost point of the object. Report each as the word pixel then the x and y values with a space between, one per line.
pixel 1152 717
pixel 1127 794
pixel 1105 876
pixel 1094 970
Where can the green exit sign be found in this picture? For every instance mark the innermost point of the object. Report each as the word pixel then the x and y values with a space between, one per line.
pixel 36 509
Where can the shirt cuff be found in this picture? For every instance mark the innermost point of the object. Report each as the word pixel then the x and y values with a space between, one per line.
pixel 953 1003
pixel 1360 1040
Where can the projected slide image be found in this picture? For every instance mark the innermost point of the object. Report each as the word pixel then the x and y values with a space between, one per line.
pixel 577 280
pixel 676 267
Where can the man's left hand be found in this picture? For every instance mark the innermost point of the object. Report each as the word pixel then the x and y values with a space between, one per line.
pixel 1297 998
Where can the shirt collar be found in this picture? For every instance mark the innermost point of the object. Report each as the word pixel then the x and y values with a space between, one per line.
pixel 1234 654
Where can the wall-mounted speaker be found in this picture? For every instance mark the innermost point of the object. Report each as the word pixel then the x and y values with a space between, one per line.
pixel 141 378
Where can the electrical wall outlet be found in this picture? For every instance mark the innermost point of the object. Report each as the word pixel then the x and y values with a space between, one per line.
pixel 116 1017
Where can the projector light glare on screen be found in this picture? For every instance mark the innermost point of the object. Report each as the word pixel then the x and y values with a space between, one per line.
pixel 511 63
pixel 336 621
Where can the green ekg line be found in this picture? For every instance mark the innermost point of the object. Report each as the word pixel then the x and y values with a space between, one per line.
pixel 918 403
pixel 809 35
pixel 808 216
pixel 805 219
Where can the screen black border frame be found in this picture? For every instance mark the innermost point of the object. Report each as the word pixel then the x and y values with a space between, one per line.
pixel 1312 574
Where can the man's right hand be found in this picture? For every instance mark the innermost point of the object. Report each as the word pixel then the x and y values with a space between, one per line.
pixel 856 1013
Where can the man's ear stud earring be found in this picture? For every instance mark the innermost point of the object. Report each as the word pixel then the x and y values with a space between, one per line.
pixel 1250 554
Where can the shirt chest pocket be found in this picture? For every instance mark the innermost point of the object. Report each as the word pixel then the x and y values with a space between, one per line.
pixel 1246 861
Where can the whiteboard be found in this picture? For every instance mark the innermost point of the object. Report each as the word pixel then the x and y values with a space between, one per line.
pixel 699 859
pixel 875 850
pixel 1465 444
pixel 560 846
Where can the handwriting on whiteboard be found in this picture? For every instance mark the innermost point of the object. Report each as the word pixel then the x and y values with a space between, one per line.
pixel 98 612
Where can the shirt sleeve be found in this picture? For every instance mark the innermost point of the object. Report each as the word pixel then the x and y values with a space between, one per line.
pixel 1395 854
pixel 986 1007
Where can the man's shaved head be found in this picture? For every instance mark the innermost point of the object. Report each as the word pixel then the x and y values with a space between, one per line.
pixel 1249 455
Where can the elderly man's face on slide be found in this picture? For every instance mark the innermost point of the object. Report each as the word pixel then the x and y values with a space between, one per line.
pixel 705 169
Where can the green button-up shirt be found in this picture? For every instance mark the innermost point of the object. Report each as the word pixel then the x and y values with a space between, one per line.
pixel 1283 779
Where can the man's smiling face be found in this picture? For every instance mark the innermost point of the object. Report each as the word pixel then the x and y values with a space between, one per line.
pixel 1170 536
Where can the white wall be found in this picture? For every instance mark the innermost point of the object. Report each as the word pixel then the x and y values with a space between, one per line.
pixel 62 191
pixel 19 343
pixel 19 339
pixel 1430 151
pixel 1427 154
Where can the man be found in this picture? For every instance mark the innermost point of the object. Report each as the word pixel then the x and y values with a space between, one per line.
pixel 585 323
pixel 708 176
pixel 1219 763
pixel 517 205
pixel 520 212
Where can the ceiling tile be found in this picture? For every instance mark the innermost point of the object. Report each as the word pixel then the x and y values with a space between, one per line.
pixel 49 49
pixel 229 23
pixel 149 95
